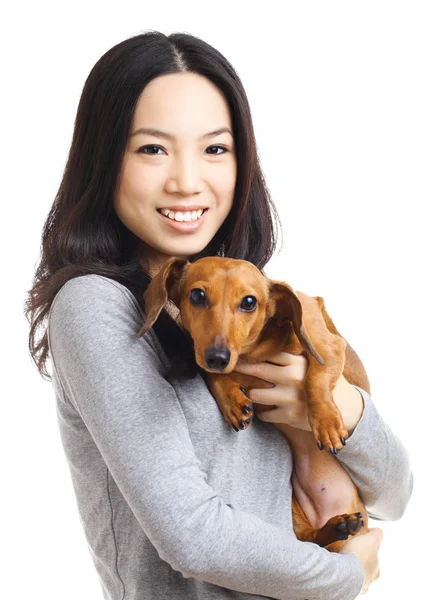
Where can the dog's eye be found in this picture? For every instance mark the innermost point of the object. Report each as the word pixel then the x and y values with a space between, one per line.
pixel 248 303
pixel 197 296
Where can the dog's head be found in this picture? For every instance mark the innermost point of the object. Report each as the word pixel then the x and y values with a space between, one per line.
pixel 226 306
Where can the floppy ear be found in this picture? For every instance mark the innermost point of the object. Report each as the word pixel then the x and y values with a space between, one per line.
pixel 165 285
pixel 284 305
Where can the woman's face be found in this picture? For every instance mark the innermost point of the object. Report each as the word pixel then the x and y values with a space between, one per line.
pixel 186 171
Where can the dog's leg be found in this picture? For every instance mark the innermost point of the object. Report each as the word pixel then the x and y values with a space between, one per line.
pixel 337 529
pixel 324 416
pixel 235 406
pixel 354 370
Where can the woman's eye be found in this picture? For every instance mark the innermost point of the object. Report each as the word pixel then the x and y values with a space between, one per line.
pixel 221 147
pixel 150 147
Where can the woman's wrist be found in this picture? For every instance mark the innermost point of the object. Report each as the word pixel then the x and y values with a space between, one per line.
pixel 350 403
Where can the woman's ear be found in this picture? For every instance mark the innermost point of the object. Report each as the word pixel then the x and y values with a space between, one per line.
pixel 165 285
pixel 284 305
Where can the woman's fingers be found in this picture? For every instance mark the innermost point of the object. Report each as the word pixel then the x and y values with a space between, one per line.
pixel 365 587
pixel 286 393
pixel 265 395
pixel 293 369
pixel 277 395
pixel 286 358
pixel 276 415
pixel 263 371
pixel 285 415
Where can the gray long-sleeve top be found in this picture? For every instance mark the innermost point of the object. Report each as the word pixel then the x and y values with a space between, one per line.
pixel 174 503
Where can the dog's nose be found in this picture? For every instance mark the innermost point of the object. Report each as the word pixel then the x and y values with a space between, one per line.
pixel 217 358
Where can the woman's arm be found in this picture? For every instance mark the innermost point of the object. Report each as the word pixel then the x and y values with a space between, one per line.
pixel 378 464
pixel 374 457
pixel 114 381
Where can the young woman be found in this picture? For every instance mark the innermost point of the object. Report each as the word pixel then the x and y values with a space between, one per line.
pixel 174 503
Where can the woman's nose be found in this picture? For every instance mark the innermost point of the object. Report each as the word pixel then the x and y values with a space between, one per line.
pixel 185 177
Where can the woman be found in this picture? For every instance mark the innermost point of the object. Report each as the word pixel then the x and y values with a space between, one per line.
pixel 174 503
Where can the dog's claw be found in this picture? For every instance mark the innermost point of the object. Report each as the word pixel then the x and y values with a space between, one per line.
pixel 243 390
pixel 242 424
pixel 236 406
pixel 320 445
pixel 343 441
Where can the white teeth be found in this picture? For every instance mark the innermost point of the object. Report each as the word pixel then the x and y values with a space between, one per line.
pixel 181 216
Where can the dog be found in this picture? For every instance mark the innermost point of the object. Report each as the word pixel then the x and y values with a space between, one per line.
pixel 231 310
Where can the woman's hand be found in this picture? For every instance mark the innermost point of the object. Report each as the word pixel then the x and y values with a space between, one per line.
pixel 287 372
pixel 365 547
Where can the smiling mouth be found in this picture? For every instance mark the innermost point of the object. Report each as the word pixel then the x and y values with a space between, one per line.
pixel 183 215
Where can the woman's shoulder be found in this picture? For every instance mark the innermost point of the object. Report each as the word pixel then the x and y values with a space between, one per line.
pixel 90 287
pixel 94 311
pixel 94 298
pixel 92 284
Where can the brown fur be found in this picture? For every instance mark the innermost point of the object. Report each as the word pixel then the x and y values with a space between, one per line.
pixel 326 507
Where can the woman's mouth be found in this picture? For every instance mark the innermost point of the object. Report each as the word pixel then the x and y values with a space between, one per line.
pixel 184 226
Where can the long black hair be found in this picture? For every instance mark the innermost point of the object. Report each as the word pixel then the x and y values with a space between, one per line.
pixel 82 233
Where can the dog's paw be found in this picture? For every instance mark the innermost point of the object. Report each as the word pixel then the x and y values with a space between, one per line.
pixel 328 428
pixel 339 528
pixel 239 412
pixel 345 525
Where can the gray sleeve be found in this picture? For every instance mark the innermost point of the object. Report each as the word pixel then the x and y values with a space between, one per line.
pixel 135 418
pixel 378 464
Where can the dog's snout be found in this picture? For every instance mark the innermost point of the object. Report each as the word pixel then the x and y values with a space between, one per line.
pixel 217 358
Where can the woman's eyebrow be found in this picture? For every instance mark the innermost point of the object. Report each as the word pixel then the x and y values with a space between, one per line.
pixel 163 134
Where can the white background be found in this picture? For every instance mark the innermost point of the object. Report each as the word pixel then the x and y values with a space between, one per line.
pixel 345 98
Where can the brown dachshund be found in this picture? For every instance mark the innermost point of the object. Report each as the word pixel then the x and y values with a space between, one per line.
pixel 232 310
